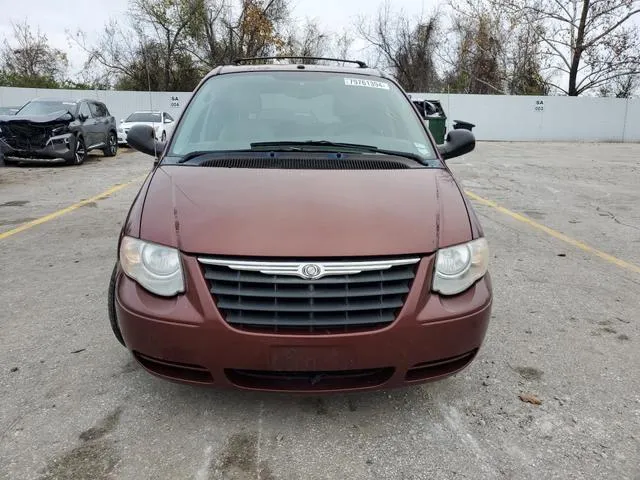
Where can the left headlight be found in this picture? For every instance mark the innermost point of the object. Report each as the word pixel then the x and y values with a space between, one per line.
pixel 460 266
pixel 155 267
pixel 60 130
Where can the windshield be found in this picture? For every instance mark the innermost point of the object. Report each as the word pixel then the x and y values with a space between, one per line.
pixel 231 111
pixel 143 117
pixel 41 107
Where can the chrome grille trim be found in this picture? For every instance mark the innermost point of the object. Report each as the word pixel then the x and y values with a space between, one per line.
pixel 297 268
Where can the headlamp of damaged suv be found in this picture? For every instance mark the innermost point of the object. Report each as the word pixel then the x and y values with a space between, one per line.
pixel 60 130
pixel 156 268
pixel 460 266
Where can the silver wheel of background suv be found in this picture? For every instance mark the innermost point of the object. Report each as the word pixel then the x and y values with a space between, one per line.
pixel 112 145
pixel 80 153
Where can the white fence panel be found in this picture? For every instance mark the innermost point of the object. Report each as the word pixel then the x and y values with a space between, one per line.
pixel 497 117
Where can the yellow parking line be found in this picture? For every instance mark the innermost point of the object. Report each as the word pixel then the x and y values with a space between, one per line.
pixel 70 208
pixel 560 236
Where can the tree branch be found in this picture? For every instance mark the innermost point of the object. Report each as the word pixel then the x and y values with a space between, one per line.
pixel 611 29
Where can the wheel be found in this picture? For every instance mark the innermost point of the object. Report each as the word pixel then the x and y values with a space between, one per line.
pixel 113 319
pixel 112 145
pixel 163 137
pixel 80 153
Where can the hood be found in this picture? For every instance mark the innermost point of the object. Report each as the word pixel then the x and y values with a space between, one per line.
pixel 61 116
pixel 304 213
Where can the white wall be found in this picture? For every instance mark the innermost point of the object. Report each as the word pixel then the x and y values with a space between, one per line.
pixel 523 118
pixel 497 117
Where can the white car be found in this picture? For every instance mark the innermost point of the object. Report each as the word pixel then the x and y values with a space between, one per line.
pixel 161 122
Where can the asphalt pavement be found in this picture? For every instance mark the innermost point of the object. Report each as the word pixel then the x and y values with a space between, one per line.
pixel 554 392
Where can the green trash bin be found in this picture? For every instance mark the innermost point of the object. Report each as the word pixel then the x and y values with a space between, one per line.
pixel 437 126
pixel 434 116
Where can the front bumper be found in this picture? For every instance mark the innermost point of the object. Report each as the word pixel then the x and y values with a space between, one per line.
pixel 122 137
pixel 62 146
pixel 185 339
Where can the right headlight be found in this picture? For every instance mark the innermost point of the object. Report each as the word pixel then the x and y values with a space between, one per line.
pixel 155 267
pixel 460 266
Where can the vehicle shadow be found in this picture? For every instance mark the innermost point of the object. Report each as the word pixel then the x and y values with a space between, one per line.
pixel 54 163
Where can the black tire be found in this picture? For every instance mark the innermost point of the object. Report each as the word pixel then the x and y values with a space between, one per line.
pixel 113 319
pixel 79 152
pixel 112 145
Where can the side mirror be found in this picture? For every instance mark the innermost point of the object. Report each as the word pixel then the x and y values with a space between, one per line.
pixel 142 138
pixel 82 117
pixel 457 143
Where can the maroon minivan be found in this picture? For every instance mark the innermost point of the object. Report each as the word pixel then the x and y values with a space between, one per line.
pixel 301 231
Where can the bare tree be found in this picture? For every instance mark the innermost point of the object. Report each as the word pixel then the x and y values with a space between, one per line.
pixel 591 42
pixel 308 41
pixel 169 21
pixel 621 87
pixel 228 29
pixel 404 46
pixel 476 64
pixel 29 61
pixel 150 52
pixel 169 44
pixel 488 52
pixel 114 53
pixel 342 45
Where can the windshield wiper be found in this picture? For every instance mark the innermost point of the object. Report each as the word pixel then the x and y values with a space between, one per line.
pixel 199 153
pixel 300 146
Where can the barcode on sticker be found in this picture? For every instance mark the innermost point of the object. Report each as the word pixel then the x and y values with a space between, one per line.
pixel 357 82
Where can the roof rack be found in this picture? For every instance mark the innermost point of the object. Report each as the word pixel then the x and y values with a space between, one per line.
pixel 360 63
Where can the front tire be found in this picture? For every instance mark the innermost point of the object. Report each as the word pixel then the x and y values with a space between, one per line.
pixel 112 145
pixel 79 153
pixel 113 319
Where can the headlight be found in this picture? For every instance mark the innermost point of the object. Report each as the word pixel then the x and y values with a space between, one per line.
pixel 59 130
pixel 458 267
pixel 155 267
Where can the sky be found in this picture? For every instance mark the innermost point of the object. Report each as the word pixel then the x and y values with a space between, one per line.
pixel 91 15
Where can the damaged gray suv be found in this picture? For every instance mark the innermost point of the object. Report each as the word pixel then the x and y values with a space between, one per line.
pixel 53 129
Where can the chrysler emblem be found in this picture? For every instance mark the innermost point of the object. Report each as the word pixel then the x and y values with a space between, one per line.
pixel 310 271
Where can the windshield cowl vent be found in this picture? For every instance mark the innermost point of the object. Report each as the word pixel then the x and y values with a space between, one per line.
pixel 306 163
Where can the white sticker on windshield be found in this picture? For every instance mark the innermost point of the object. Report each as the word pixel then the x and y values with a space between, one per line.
pixel 361 82
pixel 422 148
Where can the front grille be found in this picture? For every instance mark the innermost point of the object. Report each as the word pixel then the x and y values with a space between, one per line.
pixel 287 303
pixel 26 137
